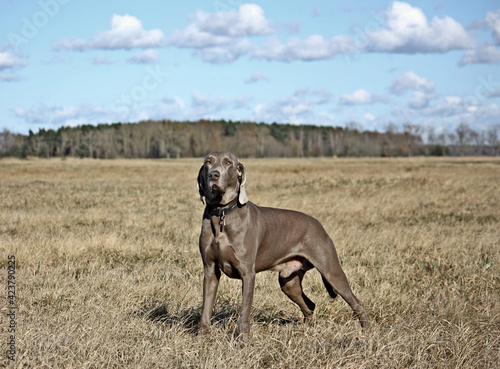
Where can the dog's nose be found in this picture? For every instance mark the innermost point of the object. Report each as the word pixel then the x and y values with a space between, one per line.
pixel 214 175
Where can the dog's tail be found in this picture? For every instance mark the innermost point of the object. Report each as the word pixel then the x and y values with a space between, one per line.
pixel 329 288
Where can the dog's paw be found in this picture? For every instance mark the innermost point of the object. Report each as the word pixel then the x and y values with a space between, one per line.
pixel 203 330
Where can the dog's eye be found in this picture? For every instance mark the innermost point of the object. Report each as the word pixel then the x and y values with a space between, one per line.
pixel 228 162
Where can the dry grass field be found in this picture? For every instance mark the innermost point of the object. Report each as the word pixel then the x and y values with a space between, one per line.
pixel 108 272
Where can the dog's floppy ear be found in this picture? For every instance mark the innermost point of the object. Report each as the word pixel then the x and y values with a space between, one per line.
pixel 242 196
pixel 201 183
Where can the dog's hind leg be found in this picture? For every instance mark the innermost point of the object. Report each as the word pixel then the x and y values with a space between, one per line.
pixel 292 287
pixel 329 288
pixel 335 280
pixel 338 284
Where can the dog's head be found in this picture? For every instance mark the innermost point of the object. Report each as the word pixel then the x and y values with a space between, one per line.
pixel 221 179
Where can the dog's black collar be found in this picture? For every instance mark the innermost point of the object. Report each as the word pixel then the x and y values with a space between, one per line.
pixel 222 210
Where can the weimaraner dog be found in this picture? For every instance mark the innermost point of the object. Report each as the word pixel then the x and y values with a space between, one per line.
pixel 242 239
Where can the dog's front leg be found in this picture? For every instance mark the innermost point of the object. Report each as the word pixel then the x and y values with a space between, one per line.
pixel 248 286
pixel 211 276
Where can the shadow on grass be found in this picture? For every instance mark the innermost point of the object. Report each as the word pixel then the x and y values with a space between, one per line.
pixel 224 314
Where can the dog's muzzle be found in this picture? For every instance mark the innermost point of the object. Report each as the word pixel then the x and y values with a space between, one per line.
pixel 215 189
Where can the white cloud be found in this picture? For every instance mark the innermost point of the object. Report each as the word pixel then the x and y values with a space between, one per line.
pixel 493 22
pixel 449 112
pixel 423 89
pixel 204 106
pixel 408 31
pixel 315 47
pixel 126 32
pixel 411 81
pixel 295 109
pixel 420 99
pixel 486 116
pixel 362 97
pixel 68 44
pixel 55 116
pixel 299 108
pixel 9 61
pixel 174 101
pixel 446 114
pixel 481 54
pixel 356 98
pixel 167 108
pixel 193 37
pixel 370 117
pixel 201 107
pixel 225 53
pixel 487 52
pixel 495 93
pixel 323 96
pixel 452 100
pixel 6 77
pixel 149 56
pixel 457 110
pixel 34 115
pixel 221 37
pixel 248 20
pixel 217 29
pixel 256 77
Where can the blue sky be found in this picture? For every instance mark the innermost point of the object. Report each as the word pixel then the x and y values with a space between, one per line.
pixel 70 62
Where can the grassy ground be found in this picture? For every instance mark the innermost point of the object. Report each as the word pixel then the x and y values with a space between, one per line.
pixel 109 274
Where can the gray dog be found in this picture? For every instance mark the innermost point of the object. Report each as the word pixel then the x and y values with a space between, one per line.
pixel 242 239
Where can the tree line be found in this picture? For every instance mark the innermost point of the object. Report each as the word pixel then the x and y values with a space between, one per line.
pixel 172 139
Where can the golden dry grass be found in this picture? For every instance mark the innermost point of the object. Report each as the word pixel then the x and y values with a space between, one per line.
pixel 109 274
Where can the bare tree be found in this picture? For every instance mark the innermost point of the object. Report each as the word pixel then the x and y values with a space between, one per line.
pixel 492 140
pixel 463 136
pixel 413 134
pixel 7 140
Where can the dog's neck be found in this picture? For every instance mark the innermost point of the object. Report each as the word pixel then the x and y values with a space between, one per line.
pixel 219 209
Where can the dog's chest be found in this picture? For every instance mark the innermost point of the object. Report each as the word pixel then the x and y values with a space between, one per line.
pixel 225 255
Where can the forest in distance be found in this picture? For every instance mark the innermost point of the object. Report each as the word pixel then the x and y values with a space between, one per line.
pixel 173 139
